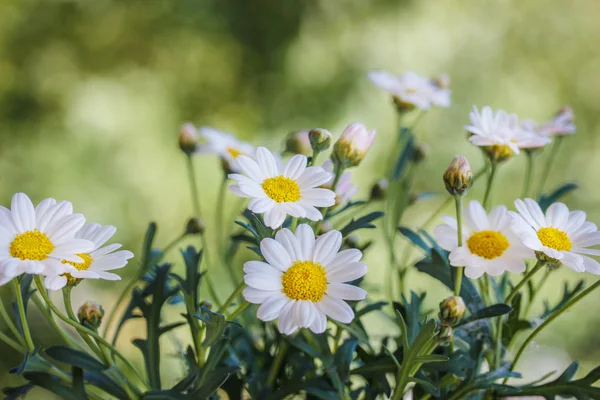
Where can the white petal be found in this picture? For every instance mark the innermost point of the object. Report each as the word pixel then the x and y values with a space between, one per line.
pixel 576 219
pixel 295 166
pixel 524 214
pixel 286 324
pixel 306 239
pixel 304 313
pixel 336 309
pixel 476 217
pixel 235 189
pixel 23 213
pixel 266 162
pixel 311 212
pixel 260 205
pixel 102 235
pixel 536 212
pixel 557 215
pixel 260 267
pixel 43 207
pixel 271 307
pixel 108 276
pixel 65 228
pixel 262 281
pixel 313 177
pixel 275 254
pixel 592 266
pixel 289 242
pixel 274 217
pixel 327 247
pixel 106 250
pixel 573 261
pixel 55 282
pixel 72 247
pixel 347 272
pixel 345 292
pixel 446 237
pixel 53 214
pixel 474 273
pixel 499 219
pixel 343 258
pixel 587 239
pixel 318 197
pixel 258 296
pixel 320 323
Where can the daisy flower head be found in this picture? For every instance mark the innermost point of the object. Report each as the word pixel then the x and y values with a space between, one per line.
pixel 303 280
pixel 489 245
pixel 35 240
pixel 344 190
pixel 531 130
pixel 94 263
pixel 411 90
pixel 226 146
pixel 561 124
pixel 353 145
pixel 280 191
pixel 499 133
pixel 559 235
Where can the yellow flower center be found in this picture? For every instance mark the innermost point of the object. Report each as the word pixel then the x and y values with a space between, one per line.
pixel 233 152
pixel 488 244
pixel 304 280
pixel 499 152
pixel 83 266
pixel 31 245
pixel 281 189
pixel 554 238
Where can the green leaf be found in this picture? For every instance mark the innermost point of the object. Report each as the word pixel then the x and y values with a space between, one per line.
pixel 546 199
pixel 568 294
pixel 213 381
pixel 17 392
pixel 53 384
pixel 26 292
pixel 415 239
pixel 75 358
pixel 32 362
pixel 370 308
pixel 344 356
pixel 105 383
pixel 361 223
pixel 215 327
pixel 488 312
pixel 406 154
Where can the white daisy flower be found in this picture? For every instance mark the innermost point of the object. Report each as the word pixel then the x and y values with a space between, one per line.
pixel 277 192
pixel 225 145
pixel 36 240
pixel 500 132
pixel 344 190
pixel 96 261
pixel 533 129
pixel 412 90
pixel 560 234
pixel 489 245
pixel 561 124
pixel 302 280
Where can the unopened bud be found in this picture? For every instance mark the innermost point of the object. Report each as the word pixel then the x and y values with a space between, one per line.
pixel 458 177
pixel 207 304
pixel 442 82
pixel 419 153
pixel 353 241
pixel 379 189
pixel 452 309
pixel 188 138
pixel 90 314
pixel 352 147
pixel 298 143
pixel 446 335
pixel 195 226
pixel 320 139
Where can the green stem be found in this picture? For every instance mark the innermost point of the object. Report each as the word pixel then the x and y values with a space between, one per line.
pixel 238 311
pixel 278 361
pixel 528 174
pixel 83 329
pixel 336 339
pixel 9 322
pixel 46 311
pixel 69 307
pixel 12 343
pixel 539 265
pixel 125 293
pixel 208 276
pixel 22 315
pixel 459 270
pixel 537 290
pixel 313 159
pixel 238 290
pixel 558 313
pixel 490 182
pixel 549 163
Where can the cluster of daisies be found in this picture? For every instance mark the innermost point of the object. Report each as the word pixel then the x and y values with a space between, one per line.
pixel 304 278
pixel 50 240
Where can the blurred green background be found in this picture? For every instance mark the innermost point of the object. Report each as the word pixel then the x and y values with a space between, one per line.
pixel 92 94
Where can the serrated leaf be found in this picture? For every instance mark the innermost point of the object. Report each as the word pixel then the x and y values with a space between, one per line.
pixel 215 327
pixel 405 156
pixel 546 200
pixel 75 358
pixel 488 312
pixel 344 356
pixel 363 222
pixel 415 239
pixel 105 383
pixel 53 384
pixel 370 308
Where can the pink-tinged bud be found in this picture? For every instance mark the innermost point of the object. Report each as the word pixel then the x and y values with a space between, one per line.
pixel 458 177
pixel 353 145
pixel 452 309
pixel 188 138
pixel 298 143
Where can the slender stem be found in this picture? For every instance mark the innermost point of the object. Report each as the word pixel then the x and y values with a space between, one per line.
pixel 558 313
pixel 238 311
pixel 9 322
pixel 238 290
pixel 12 343
pixel 537 290
pixel 313 159
pixel 208 276
pixel 22 315
pixel 528 174
pixel 69 307
pixel 459 270
pixel 83 329
pixel 219 215
pixel 45 310
pixel 549 163
pixel 490 182
pixel 125 293
pixel 539 265
pixel 278 361
pixel 337 338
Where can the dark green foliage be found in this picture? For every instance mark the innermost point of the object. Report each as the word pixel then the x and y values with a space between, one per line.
pixel 546 199
pixel 363 222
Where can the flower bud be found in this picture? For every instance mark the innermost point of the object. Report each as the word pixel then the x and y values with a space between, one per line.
pixel 320 139
pixel 195 226
pixel 419 153
pixel 452 309
pixel 446 335
pixel 188 138
pixel 379 189
pixel 207 304
pixel 353 145
pixel 298 143
pixel 442 82
pixel 353 240
pixel 458 177
pixel 90 314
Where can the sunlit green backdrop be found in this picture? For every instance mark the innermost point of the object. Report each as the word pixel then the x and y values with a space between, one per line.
pixel 92 94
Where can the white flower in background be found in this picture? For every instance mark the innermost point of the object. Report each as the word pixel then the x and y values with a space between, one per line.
pixel 560 234
pixel 344 189
pixel 561 124
pixel 277 192
pixel 532 129
pixel 303 280
pixel 489 245
pixel 500 132
pixel 36 240
pixel 353 145
pixel 96 262
pixel 226 146
pixel 412 90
